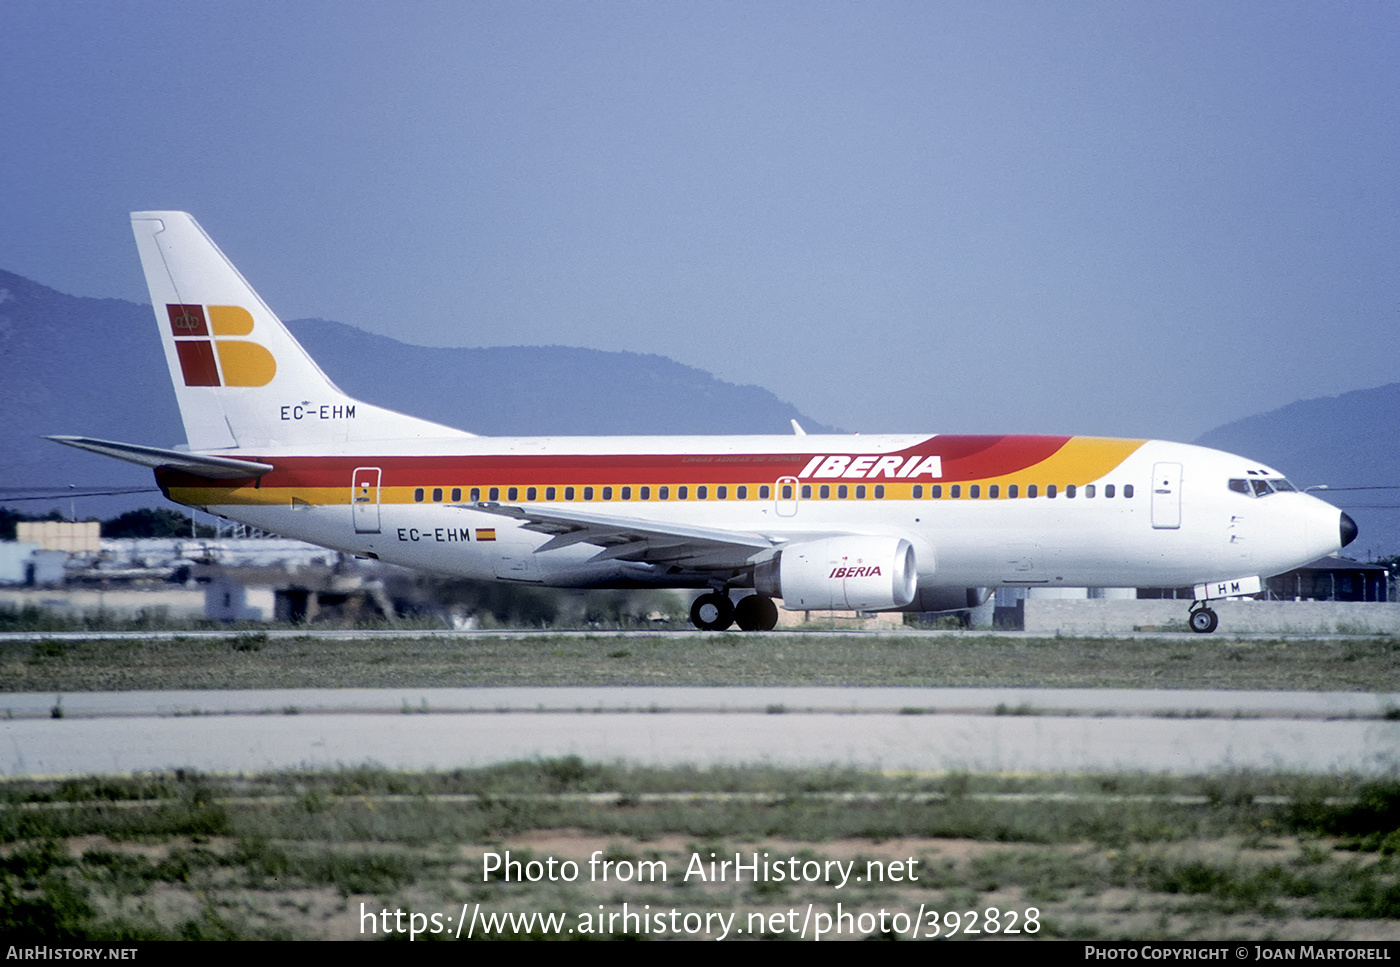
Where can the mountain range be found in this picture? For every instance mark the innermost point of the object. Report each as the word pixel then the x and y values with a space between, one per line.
pixel 94 367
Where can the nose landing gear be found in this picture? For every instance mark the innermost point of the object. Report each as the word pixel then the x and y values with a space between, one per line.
pixel 1203 620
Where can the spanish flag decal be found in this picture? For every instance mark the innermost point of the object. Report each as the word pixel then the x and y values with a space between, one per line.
pixel 486 533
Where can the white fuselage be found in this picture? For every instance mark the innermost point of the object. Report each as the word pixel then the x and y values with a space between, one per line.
pixel 1188 528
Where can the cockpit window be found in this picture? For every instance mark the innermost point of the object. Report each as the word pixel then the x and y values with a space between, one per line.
pixel 1260 486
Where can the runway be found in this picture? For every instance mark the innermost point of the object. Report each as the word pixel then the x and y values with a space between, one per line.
pixel 1004 730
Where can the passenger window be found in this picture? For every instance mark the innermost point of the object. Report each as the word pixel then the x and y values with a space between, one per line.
pixel 1070 491
pixel 664 493
pixel 587 493
pixel 1013 491
pixel 806 491
pixel 1108 490
pixel 626 493
pixel 763 492
pixel 476 494
pixel 721 493
pixel 1127 491
pixel 437 495
pixel 824 491
pixel 918 491
pixel 494 493
pixel 513 493
pixel 993 492
pixel 568 493
pixel 879 491
pixel 860 491
pixel 1050 490
pixel 418 494
pixel 955 491
pixel 937 491
pixel 681 492
pixel 456 494
pixel 549 493
pixel 702 492
pixel 787 491
pixel 607 493
pixel 743 493
pixel 1088 490
pixel 1031 490
pixel 530 493
pixel 646 493
pixel 843 491
pixel 974 491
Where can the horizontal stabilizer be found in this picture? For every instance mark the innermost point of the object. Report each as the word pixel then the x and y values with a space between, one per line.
pixel 214 468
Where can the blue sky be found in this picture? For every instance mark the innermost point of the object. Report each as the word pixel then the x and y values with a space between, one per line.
pixel 1125 219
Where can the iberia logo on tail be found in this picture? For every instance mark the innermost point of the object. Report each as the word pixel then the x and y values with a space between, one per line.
pixel 219 361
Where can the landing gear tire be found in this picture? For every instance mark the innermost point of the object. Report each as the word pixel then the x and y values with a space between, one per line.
pixel 1204 621
pixel 712 612
pixel 757 612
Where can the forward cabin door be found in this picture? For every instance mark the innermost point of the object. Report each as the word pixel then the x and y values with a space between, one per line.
pixel 1166 496
pixel 364 499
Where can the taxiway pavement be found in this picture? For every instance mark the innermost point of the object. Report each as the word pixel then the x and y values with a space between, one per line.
pixel 998 730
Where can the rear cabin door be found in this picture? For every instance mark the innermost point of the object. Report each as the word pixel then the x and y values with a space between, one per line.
pixel 364 499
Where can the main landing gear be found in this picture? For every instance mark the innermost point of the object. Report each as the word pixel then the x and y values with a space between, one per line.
pixel 1202 619
pixel 714 611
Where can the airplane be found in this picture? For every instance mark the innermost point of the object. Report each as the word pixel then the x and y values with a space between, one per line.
pixel 896 522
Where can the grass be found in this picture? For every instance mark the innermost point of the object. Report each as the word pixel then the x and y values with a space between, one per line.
pixel 304 854
pixel 255 660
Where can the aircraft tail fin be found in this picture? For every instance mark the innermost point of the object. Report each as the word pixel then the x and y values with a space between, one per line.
pixel 241 379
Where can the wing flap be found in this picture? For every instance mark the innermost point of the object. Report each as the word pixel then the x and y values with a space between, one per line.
pixel 628 539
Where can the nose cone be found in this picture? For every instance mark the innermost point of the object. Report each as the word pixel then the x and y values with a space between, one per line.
pixel 1348 530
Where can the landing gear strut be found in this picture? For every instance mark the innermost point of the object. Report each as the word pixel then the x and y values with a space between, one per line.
pixel 1203 620
pixel 712 612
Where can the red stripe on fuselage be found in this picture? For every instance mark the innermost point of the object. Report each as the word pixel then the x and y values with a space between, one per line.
pixel 980 457
pixel 963 458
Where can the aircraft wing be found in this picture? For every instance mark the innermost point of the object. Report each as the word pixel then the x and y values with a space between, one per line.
pixel 214 468
pixel 626 539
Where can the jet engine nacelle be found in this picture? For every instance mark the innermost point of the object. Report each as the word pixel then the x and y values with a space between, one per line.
pixel 841 574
